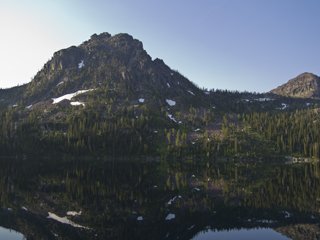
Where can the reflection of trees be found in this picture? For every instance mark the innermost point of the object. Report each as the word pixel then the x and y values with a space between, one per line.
pixel 112 194
pixel 295 187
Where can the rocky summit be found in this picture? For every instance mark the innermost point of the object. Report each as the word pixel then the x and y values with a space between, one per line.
pixel 306 85
pixel 118 65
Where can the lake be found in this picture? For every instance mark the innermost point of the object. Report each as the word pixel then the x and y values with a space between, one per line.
pixel 9 234
pixel 158 199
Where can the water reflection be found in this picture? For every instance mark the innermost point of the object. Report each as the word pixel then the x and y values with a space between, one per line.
pixel 137 199
pixel 242 234
pixel 9 234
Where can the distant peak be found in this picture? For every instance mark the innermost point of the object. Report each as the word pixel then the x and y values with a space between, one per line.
pixel 307 74
pixel 305 85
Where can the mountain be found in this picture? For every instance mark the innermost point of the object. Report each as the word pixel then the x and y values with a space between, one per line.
pixel 107 96
pixel 109 66
pixel 305 85
pixel 108 87
pixel 119 66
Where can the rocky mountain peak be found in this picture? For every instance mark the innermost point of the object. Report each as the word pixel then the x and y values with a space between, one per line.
pixel 305 85
pixel 101 36
pixel 305 77
pixel 118 65
pixel 105 41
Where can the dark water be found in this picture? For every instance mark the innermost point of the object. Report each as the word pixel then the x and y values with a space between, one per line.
pixel 137 199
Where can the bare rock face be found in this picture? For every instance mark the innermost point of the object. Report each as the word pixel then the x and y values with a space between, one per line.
pixel 306 85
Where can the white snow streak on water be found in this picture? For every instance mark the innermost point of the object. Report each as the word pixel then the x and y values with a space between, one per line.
pixel 64 220
pixel 170 216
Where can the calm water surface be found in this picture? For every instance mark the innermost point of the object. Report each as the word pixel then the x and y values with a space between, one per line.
pixel 137 199
pixel 242 234
pixel 8 234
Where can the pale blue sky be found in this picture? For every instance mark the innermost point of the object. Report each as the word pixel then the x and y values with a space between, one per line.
pixel 252 45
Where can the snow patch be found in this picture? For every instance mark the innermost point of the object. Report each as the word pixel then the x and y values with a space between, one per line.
pixel 77 103
pixel 173 199
pixel 191 92
pixel 172 118
pixel 74 213
pixel 141 100
pixel 24 208
pixel 283 106
pixel 64 220
pixel 171 102
pixel 207 93
pixel 69 96
pixel 123 75
pixel 170 216
pixel 197 130
pixel 191 227
pixel 140 218
pixel 287 214
pixel 81 64
pixel 28 107
pixel 60 83
pixel 168 85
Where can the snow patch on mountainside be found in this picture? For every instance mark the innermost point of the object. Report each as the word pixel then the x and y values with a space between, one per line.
pixel 171 102
pixel 77 103
pixel 172 117
pixel 74 213
pixel 69 96
pixel 191 92
pixel 81 64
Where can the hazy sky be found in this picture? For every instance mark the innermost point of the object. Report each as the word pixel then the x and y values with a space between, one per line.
pixel 252 45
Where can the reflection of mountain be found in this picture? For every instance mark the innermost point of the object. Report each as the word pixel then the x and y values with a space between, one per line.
pixel 301 231
pixel 170 198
